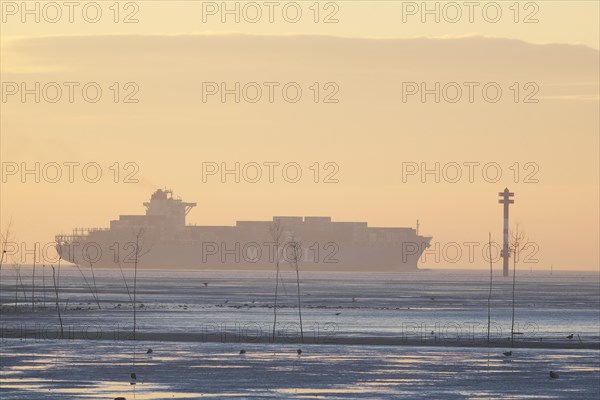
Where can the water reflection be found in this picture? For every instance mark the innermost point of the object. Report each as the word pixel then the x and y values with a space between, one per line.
pixel 80 369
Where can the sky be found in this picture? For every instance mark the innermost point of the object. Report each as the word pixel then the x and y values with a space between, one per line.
pixel 388 118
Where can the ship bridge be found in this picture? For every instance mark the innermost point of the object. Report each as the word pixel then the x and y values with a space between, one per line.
pixel 174 210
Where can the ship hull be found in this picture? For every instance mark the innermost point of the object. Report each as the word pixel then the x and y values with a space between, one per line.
pixel 326 256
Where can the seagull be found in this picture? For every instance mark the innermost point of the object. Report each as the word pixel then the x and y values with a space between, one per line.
pixel 553 375
pixel 299 351
pixel 149 351
pixel 508 353
pixel 570 336
pixel 242 351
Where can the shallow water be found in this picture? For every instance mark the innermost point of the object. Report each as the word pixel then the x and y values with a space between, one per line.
pixel 234 308
pixel 431 306
pixel 93 369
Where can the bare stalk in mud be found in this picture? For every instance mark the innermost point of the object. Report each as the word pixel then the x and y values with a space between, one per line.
pixel 490 293
pixel 5 239
pixel 88 285
pixel 94 282
pixel 296 254
pixel 139 251
pixel 56 292
pixel 275 230
pixel 137 246
pixel 517 243
pixel 33 280
pixel 16 267
pixel 138 254
pixel 125 281
pixel 20 281
pixel 44 285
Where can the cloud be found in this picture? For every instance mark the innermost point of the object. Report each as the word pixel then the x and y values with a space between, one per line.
pixel 202 53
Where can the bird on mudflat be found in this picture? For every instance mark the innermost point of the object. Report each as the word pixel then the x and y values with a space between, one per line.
pixel 149 351
pixel 242 351
pixel 508 353
pixel 299 351
pixel 570 336
pixel 553 375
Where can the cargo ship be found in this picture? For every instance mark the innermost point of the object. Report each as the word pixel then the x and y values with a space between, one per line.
pixel 161 239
